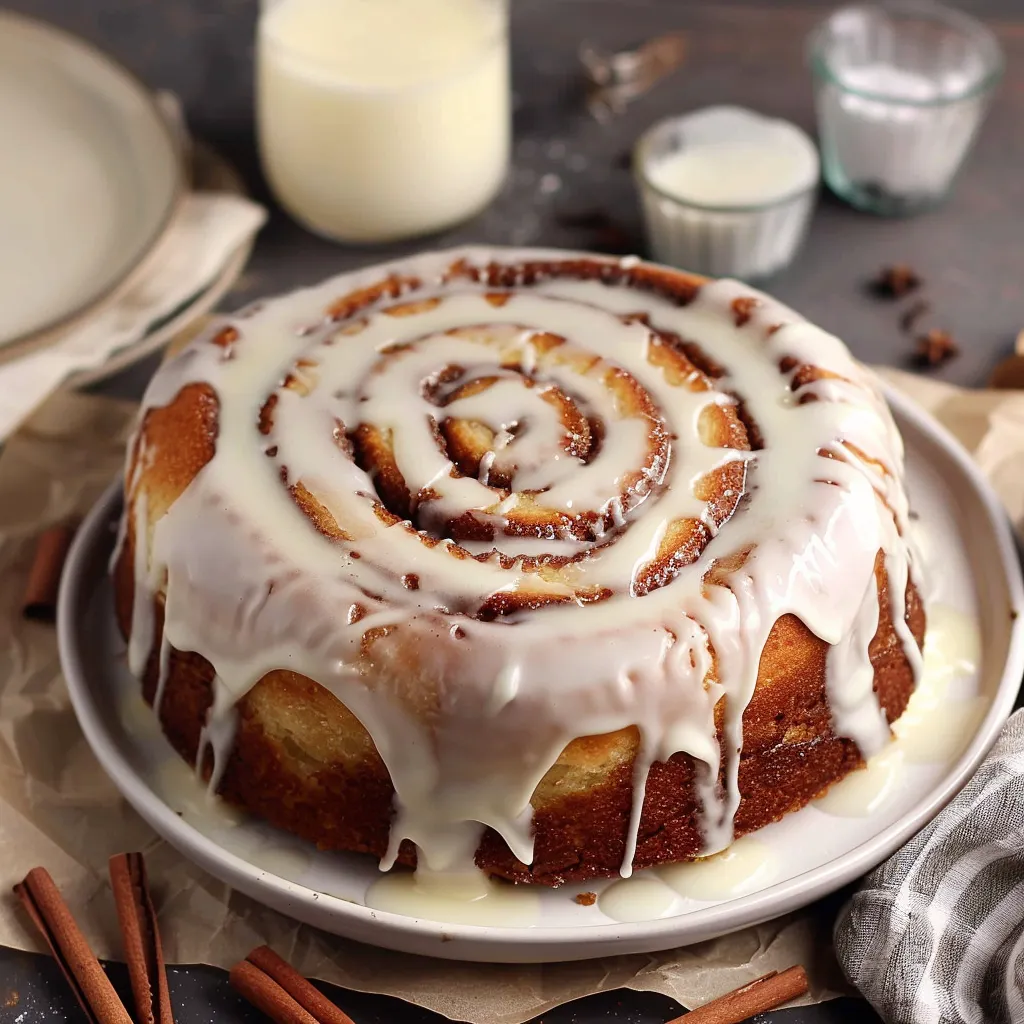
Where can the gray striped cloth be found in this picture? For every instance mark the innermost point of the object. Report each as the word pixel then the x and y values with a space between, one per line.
pixel 936 934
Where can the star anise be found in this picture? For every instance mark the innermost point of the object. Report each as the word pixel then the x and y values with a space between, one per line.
pixel 934 348
pixel 896 281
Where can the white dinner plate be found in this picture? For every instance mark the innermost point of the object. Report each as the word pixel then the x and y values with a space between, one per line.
pixel 805 856
pixel 208 172
pixel 90 178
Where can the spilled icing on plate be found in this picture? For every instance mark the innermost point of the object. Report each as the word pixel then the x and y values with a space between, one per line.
pixel 461 899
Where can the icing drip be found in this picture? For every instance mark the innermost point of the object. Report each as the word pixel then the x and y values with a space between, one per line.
pixel 533 585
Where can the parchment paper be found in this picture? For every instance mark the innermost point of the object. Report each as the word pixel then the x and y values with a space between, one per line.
pixel 57 808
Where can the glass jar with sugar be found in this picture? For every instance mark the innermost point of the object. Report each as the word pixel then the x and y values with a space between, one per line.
pixel 901 90
pixel 383 119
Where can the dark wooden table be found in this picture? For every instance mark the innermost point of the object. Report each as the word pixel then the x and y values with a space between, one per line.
pixel 969 253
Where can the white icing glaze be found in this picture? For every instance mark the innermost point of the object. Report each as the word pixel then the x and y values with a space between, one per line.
pixel 286 860
pixel 178 787
pixel 746 866
pixel 641 898
pixel 952 651
pixel 937 738
pixel 459 899
pixel 938 721
pixel 250 583
pixel 935 725
pixel 137 716
pixel 866 790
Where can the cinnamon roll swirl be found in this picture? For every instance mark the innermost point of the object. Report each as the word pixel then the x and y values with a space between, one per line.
pixel 552 564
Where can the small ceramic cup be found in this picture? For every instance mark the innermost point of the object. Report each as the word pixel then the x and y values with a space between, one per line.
pixel 726 191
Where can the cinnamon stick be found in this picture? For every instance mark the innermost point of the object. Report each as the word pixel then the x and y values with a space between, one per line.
pixel 143 951
pixel 272 985
pixel 40 600
pixel 764 993
pixel 50 914
pixel 265 994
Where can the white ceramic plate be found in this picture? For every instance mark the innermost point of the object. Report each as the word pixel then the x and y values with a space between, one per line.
pixel 211 172
pixel 788 864
pixel 90 177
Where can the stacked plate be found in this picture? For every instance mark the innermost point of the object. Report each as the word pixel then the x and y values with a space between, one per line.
pixel 93 177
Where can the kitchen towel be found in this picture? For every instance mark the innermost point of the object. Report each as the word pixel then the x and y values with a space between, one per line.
pixel 936 934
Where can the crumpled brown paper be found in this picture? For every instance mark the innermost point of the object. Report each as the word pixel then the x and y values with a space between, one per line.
pixel 989 424
pixel 57 807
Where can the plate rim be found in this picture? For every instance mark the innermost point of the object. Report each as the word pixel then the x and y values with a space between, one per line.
pixel 38 336
pixel 575 942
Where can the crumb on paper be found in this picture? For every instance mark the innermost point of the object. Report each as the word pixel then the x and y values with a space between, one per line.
pixel 896 281
pixel 585 899
pixel 934 348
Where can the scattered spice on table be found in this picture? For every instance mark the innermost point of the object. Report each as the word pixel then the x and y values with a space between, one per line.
pixel 895 281
pixel 935 347
pixel 614 80
pixel 912 314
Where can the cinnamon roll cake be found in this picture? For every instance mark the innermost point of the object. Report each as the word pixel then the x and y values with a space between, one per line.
pixel 557 565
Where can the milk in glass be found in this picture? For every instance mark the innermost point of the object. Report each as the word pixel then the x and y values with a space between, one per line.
pixel 383 119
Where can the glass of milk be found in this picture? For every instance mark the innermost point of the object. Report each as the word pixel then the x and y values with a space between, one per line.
pixel 901 90
pixel 726 191
pixel 383 119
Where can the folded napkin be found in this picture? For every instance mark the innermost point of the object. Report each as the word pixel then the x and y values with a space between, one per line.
pixel 936 934
pixel 208 229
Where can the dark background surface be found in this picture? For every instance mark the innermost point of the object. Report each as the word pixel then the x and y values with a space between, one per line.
pixel 970 253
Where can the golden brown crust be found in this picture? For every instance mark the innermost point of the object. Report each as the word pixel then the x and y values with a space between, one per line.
pixel 305 764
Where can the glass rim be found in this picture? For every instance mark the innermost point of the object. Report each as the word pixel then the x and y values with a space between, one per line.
pixel 642 161
pixel 980 33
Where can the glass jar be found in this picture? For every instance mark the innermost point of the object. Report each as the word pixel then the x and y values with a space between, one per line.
pixel 901 90
pixel 383 119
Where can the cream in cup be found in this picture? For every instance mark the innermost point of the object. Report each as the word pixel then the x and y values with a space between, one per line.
pixel 383 119
pixel 726 192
